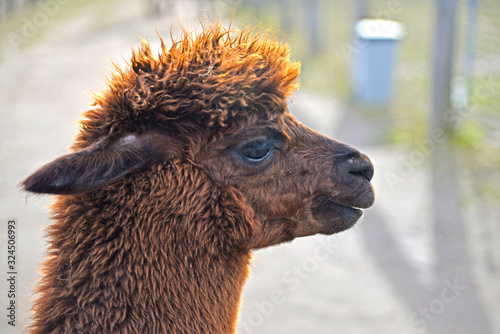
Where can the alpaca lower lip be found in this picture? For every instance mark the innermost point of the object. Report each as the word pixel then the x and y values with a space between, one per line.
pixel 347 210
pixel 360 199
pixel 334 217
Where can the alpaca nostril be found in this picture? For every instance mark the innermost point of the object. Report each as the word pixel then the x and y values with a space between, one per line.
pixel 355 163
pixel 361 167
pixel 365 173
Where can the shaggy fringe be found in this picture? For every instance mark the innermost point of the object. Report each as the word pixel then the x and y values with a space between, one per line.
pixel 208 80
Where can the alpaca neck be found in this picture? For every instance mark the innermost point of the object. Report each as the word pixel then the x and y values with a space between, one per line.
pixel 145 268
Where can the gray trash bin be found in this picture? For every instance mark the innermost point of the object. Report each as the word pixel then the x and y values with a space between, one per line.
pixel 377 42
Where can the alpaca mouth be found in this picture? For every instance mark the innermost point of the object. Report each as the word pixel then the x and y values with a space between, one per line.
pixel 334 217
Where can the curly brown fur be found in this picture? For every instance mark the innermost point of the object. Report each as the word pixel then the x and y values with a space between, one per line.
pixel 207 82
pixel 119 268
pixel 188 161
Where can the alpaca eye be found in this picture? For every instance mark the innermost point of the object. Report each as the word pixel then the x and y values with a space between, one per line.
pixel 256 151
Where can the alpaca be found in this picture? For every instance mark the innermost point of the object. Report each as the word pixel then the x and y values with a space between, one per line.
pixel 187 162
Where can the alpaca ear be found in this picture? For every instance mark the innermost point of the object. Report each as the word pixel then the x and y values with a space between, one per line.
pixel 96 166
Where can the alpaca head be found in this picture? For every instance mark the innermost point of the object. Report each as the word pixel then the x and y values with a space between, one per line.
pixel 218 101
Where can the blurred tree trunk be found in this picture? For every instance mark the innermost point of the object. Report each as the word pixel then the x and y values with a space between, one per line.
pixel 313 21
pixel 3 10
pixel 285 15
pixel 452 258
pixel 8 7
pixel 360 10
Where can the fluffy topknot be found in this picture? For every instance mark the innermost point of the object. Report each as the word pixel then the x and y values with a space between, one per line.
pixel 208 81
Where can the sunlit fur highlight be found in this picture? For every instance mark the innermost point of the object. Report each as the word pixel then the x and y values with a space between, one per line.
pixel 209 80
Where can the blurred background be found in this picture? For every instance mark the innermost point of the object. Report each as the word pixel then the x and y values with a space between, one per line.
pixel 416 87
